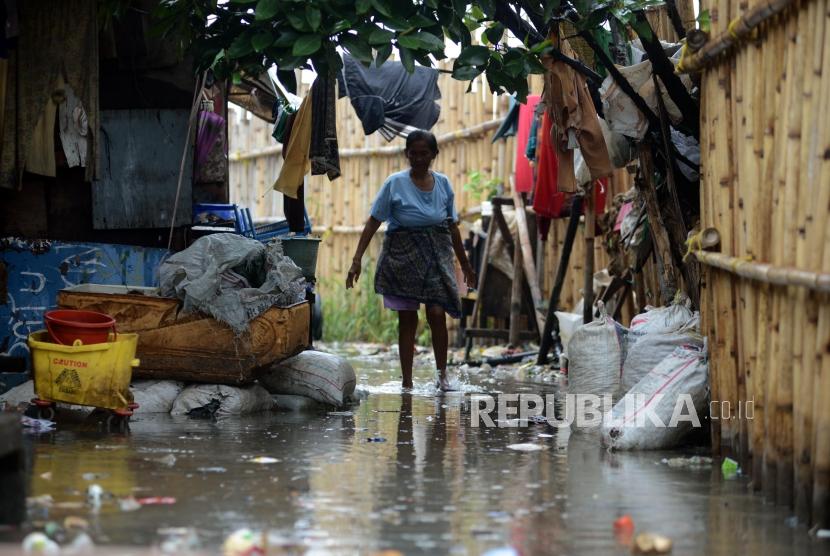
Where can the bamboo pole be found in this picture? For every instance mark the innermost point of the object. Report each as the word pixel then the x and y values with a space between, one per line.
pixel 590 232
pixel 740 30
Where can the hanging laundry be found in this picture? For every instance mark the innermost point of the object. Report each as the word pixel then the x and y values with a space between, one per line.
pixel 293 208
pixel 325 158
pixel 73 127
pixel 388 99
pixel 295 152
pixel 547 200
pixel 510 124
pixel 40 152
pixel 211 160
pixel 622 114
pixel 34 66
pixel 533 136
pixel 575 120
pixel 523 179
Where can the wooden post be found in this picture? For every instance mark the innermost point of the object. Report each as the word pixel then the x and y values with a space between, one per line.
pixel 645 184
pixel 556 291
pixel 527 258
pixel 516 298
pixel 590 232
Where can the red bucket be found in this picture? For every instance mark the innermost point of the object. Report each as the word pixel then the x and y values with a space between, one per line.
pixel 65 326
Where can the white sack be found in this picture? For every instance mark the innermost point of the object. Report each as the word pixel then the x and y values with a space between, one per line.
pixel 663 319
pixel 596 354
pixel 323 377
pixel 677 383
pixel 232 400
pixel 648 350
pixel 155 396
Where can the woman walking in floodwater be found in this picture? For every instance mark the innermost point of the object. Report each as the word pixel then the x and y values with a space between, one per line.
pixel 417 262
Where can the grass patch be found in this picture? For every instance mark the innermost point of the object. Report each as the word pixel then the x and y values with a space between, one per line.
pixel 358 315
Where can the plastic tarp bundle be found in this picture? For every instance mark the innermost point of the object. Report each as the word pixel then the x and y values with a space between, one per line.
pixel 222 400
pixel 662 408
pixel 155 396
pixel 596 354
pixel 568 323
pixel 232 278
pixel 323 377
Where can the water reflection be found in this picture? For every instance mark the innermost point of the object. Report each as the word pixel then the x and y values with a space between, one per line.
pixel 404 472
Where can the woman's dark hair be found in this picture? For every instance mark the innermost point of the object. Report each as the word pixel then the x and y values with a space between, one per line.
pixel 425 136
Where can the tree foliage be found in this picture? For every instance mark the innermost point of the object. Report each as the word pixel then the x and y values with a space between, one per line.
pixel 247 35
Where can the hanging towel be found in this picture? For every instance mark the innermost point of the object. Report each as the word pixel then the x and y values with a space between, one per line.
pixel 325 158
pixel 575 120
pixel 297 163
pixel 388 99
pixel 524 173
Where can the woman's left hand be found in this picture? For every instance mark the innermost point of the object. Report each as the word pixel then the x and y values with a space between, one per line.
pixel 469 276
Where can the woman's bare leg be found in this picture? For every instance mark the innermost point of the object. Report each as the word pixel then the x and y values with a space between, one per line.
pixel 407 326
pixel 437 319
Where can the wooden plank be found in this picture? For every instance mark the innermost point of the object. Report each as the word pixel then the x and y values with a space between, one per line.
pixel 527 259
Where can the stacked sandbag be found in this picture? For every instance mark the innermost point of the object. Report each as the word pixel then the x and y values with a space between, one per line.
pixel 663 319
pixel 155 396
pixel 596 354
pixel 219 400
pixel 678 383
pixel 323 377
pixel 647 349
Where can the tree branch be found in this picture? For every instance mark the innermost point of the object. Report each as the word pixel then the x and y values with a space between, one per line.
pixel 664 69
pixel 519 27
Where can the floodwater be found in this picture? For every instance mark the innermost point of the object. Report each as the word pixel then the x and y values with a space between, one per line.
pixel 399 472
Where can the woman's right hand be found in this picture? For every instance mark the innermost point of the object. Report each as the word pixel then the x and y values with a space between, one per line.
pixel 353 275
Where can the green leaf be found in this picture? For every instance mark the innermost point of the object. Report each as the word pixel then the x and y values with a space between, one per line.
pixel 494 33
pixel 488 7
pixel 262 40
pixel 286 38
pixel 237 78
pixel 218 58
pixel 643 29
pixel 313 16
pixel 381 37
pixel 241 46
pixel 383 54
pixel 420 20
pixel 297 21
pixel 266 9
pixel 407 59
pixel 357 47
pixel 383 7
pixel 341 26
pixel 421 40
pixel 362 6
pixel 540 47
pixel 307 45
pixel 466 73
pixel 704 21
pixel 550 7
pixel 474 55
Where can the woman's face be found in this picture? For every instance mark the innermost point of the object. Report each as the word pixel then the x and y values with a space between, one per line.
pixel 420 154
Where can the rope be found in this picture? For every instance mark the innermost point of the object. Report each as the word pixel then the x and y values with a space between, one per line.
pixel 693 243
pixel 731 28
pixel 684 52
pixel 738 261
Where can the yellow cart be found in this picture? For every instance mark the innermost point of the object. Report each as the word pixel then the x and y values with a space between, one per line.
pixel 96 375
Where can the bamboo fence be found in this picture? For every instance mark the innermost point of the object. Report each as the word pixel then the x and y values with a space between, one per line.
pixel 765 139
pixel 338 209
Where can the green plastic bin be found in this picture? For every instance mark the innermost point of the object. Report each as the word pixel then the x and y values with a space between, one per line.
pixel 303 251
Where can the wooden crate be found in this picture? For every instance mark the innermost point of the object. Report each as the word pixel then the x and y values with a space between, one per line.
pixel 196 348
